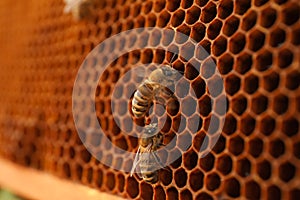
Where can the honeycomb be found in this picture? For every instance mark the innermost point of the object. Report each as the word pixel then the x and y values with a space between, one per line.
pixel 255 45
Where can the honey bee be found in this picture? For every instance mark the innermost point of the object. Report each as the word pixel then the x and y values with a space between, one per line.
pixel 158 83
pixel 80 9
pixel 146 162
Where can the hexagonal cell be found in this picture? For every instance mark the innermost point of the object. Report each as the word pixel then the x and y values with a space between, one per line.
pixel 295 36
pixel 209 12
pixel 237 43
pixel 271 81
pixel 151 20
pixel 110 181
pixel 225 64
pixel 219 46
pixel 177 18
pixel 219 145
pixel 231 26
pixel 212 181
pixel 243 63
pixel 186 50
pixel 196 180
pixel 249 20
pixel 291 13
pixel 193 15
pixel 274 192
pixel 132 187
pixel 204 195
pixel 198 31
pixel 172 193
pixel 252 190
pixel 256 40
pixel 239 104
pixel 232 187
pixel 255 147
pixel 121 182
pixel 247 125
pixel 165 176
pixel 280 104
pixel 290 126
pixel 205 105
pixel 277 37
pixel 264 169
pixel 159 5
pixel 199 87
pixel 225 8
pixel 285 58
pixel 146 191
pixel 159 193
pixel 214 29
pixel 236 145
pixel 296 150
pixel 287 171
pixel 163 19
pixel 224 164
pixel 251 83
pixel 207 162
pixel 99 177
pixel 268 17
pixel 173 5
pixel 293 80
pixel 190 159
pixel 186 194
pixel 232 84
pixel 180 177
pixel 243 167
pixel 146 7
pixel 259 104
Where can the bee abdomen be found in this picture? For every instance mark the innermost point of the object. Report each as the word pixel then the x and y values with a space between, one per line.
pixel 150 177
pixel 141 100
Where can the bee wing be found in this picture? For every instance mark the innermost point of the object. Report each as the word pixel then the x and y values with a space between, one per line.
pixel 136 161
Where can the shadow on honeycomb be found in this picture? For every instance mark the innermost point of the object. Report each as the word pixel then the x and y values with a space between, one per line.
pixel 256 47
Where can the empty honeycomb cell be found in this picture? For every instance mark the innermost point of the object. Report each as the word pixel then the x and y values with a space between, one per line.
pixel 219 46
pixel 251 83
pixel 140 22
pixel 293 80
pixel 259 3
pixel 198 141
pixel 79 171
pixel 182 38
pixel 159 5
pixel 85 156
pixel 286 171
pixel 225 64
pixel 172 107
pixel 264 169
pixel 273 192
pixel 256 40
pixel 244 63
pixel 89 175
pixel 122 143
pixel 165 176
pixel 280 104
pixel 291 13
pixel 268 17
pixel 147 7
pixel 294 194
pixel 121 182
pixel 271 81
pixel 207 162
pixel 285 58
pixel 243 167
pixel 237 43
pixel 232 187
pixel 132 187
pixel 225 8
pixel 241 6
pixel 252 190
pixel 256 146
pixel 146 191
pixel 239 104
pixel 214 29
pixel 177 18
pixel 172 193
pixel 232 84
pixel 163 19
pixel 209 12
pixel 224 164
pixel 205 105
pixel 180 177
pixel 190 159
pixel 296 150
pixel 259 104
pixel 249 20
pixel 151 20
pixel 220 145
pixel 193 15
pixel 173 5
pixel 72 152
pixel 236 145
pixel 247 125
pixel 159 193
pixel 204 195
pixel 183 139
pixel 186 195
pixel 198 32
pixel 212 181
pixel 196 178
pixel 199 87
pixel 290 126
pixel 206 44
pixel 277 37
pixel 66 170
pixel 231 26
pixel 188 48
